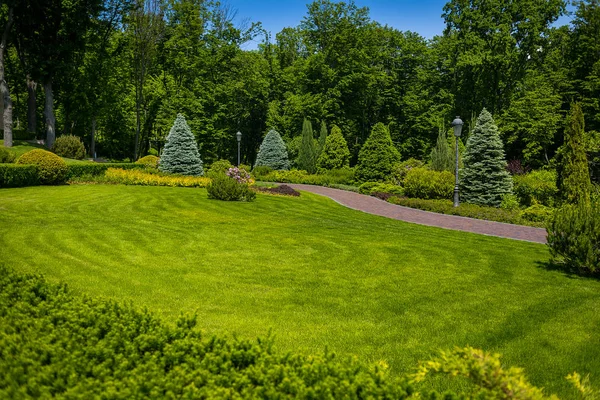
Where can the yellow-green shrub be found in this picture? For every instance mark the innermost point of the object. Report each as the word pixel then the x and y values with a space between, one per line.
pixel 149 161
pixel 69 146
pixel 144 178
pixel 52 169
pixel 424 183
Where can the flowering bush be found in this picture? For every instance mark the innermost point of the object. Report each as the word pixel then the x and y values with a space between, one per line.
pixel 144 178
pixel 240 175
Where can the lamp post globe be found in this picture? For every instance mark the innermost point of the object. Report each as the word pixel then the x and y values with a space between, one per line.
pixel 238 135
pixel 457 125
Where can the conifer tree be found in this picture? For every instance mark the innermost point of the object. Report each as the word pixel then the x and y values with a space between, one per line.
pixel 307 157
pixel 574 178
pixel 484 178
pixel 377 156
pixel 441 155
pixel 180 155
pixel 272 152
pixel 335 152
pixel 322 139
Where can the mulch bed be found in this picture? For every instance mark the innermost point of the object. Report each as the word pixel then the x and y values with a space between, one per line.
pixel 283 190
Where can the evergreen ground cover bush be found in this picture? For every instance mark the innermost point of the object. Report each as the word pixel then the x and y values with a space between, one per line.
pixel 52 170
pixel 147 178
pixel 61 346
pixel 14 175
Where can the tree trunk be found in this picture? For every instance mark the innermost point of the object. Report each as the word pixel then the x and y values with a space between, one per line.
pixel 6 110
pixel 31 105
pixel 93 139
pixel 49 114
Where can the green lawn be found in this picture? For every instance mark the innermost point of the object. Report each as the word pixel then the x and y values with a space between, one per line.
pixel 314 272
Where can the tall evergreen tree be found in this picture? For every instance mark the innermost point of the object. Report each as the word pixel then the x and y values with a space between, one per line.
pixel 307 157
pixel 180 155
pixel 484 178
pixel 335 152
pixel 378 155
pixel 272 152
pixel 574 177
pixel 441 155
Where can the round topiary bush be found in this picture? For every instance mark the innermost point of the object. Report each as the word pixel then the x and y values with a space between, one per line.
pixel 69 146
pixel 51 168
pixel 149 161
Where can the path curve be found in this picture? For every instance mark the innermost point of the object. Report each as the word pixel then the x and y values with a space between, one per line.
pixel 373 205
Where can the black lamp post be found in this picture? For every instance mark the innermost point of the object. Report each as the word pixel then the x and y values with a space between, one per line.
pixel 457 125
pixel 239 139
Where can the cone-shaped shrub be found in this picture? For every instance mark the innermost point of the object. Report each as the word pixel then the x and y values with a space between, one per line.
pixel 441 155
pixel 180 155
pixel 307 157
pixel 322 139
pixel 484 178
pixel 335 153
pixel 272 152
pixel 377 156
pixel 574 183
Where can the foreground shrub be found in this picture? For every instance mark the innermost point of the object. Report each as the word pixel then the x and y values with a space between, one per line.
pixel 56 345
pixel 231 186
pixel 52 169
pixel 6 156
pixel 14 175
pixel 272 152
pixel 424 183
pixel 465 210
pixel 485 371
pixel 180 155
pixel 377 156
pixel 574 236
pixel 145 178
pixel 149 161
pixel 69 146
pixel 536 187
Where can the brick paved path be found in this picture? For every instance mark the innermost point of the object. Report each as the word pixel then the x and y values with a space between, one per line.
pixel 376 206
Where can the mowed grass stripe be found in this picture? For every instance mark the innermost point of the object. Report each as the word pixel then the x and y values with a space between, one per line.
pixel 315 272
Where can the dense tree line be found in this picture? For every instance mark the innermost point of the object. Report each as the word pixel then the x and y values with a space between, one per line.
pixel 117 72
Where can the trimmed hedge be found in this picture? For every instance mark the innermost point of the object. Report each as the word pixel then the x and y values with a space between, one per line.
pixel 466 210
pixel 145 178
pixel 56 345
pixel 335 176
pixel 95 169
pixel 16 175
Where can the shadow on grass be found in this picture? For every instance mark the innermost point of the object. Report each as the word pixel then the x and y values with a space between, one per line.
pixel 566 270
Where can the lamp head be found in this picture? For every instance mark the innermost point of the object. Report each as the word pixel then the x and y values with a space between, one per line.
pixel 239 136
pixel 457 125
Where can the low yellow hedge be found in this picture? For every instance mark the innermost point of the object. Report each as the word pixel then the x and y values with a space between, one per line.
pixel 140 177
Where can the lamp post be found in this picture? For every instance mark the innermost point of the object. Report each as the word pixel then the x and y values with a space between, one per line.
pixel 457 125
pixel 239 139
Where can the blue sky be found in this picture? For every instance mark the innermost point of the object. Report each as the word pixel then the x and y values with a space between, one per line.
pixel 420 16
